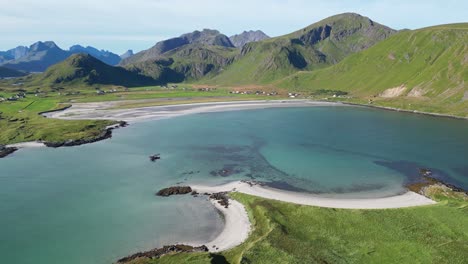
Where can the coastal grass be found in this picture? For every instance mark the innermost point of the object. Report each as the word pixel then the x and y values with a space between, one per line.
pixel 288 233
pixel 20 122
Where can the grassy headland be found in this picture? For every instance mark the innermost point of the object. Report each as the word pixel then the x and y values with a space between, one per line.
pixel 288 233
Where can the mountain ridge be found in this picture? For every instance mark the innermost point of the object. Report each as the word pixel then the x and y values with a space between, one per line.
pixel 316 46
pixel 43 54
pixel 206 36
pixel 427 67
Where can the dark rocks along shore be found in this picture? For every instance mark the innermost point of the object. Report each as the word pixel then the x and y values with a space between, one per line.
pixel 159 252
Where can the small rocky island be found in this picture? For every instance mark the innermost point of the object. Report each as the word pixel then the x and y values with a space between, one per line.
pixel 174 190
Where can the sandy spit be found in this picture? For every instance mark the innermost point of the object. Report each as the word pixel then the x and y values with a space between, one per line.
pixel 237 225
pixel 407 199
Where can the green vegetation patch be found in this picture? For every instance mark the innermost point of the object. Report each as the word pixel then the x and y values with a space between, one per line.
pixel 20 122
pixel 288 233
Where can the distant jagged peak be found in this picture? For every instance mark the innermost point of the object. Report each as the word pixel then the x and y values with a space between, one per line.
pixel 40 46
pixel 127 54
pixel 239 40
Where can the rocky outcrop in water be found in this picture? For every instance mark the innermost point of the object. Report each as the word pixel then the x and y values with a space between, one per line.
pixel 222 198
pixel 427 180
pixel 5 151
pixel 174 190
pixel 159 252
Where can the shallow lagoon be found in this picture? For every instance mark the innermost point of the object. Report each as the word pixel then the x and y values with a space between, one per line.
pixel 95 203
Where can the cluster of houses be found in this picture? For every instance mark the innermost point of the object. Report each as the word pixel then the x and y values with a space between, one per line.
pixel 256 93
pixel 101 92
pixel 293 95
pixel 15 97
pixel 206 89
pixel 169 86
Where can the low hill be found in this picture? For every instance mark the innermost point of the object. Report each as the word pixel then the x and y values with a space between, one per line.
pixel 6 72
pixel 428 66
pixel 245 37
pixel 84 69
pixel 317 46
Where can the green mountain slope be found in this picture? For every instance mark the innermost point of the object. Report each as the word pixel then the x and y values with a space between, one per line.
pixel 188 57
pixel 6 72
pixel 316 46
pixel 83 69
pixel 429 64
pixel 185 63
pixel 205 37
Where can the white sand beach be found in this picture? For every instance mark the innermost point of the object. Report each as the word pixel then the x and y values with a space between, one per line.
pixel 407 199
pixel 32 144
pixel 237 225
pixel 101 110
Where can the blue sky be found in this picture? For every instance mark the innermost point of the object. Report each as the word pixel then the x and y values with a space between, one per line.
pixel 119 25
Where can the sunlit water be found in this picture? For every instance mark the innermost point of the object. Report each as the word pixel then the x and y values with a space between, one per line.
pixel 95 203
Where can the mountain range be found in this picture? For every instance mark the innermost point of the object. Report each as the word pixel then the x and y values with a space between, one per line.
pixel 41 55
pixel 428 67
pixel 319 45
pixel 346 52
pixel 253 57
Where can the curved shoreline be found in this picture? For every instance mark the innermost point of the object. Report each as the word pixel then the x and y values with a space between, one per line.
pixel 237 224
pixel 100 110
pixel 394 109
pixel 236 228
pixel 407 199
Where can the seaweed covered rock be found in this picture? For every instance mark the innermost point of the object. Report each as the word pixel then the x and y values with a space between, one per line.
pixel 174 190
pixel 222 198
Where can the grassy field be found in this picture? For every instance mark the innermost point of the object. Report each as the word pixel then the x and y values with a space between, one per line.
pixel 288 233
pixel 20 120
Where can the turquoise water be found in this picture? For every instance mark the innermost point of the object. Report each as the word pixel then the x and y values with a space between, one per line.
pixel 95 203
